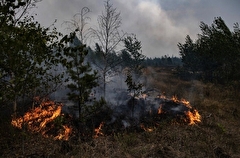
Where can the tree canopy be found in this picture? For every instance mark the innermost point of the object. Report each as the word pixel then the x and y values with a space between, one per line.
pixel 215 55
pixel 27 52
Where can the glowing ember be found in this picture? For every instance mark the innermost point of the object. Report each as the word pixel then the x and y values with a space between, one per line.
pixel 174 98
pixel 98 131
pixel 146 128
pixel 160 109
pixel 39 118
pixel 162 96
pixel 193 117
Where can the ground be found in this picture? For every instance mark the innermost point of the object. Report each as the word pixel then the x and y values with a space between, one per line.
pixel 217 136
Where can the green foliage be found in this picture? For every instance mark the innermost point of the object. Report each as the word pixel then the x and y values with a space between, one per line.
pixel 133 86
pixel 27 53
pixel 215 54
pixel 82 77
pixel 189 55
pixel 163 61
pixel 135 58
pixel 132 53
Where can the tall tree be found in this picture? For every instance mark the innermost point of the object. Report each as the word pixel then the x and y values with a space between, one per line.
pixel 190 58
pixel 133 47
pixel 108 37
pixel 82 79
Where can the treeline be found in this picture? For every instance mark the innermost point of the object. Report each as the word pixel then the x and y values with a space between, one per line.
pixel 125 59
pixel 215 55
pixel 163 61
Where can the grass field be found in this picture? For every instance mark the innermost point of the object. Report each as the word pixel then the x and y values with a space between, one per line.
pixel 217 136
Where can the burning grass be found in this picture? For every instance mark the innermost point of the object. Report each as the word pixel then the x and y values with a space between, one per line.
pixel 157 136
pixel 48 120
pixel 43 119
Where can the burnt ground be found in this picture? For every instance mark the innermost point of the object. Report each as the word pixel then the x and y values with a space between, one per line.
pixel 217 136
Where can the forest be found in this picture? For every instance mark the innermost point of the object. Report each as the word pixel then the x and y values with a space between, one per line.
pixel 60 97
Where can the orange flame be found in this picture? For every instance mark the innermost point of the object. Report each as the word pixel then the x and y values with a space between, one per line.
pixel 182 101
pixel 98 131
pixel 160 109
pixel 193 117
pixel 38 118
pixel 175 99
pixel 64 135
pixel 146 128
pixel 186 103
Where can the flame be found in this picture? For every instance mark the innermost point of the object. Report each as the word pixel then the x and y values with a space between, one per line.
pixel 186 103
pixel 160 109
pixel 175 99
pixel 98 131
pixel 147 129
pixel 37 119
pixel 64 135
pixel 162 96
pixel 55 114
pixel 182 101
pixel 193 117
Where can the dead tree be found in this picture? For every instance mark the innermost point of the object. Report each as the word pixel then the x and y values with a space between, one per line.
pixel 78 24
pixel 107 37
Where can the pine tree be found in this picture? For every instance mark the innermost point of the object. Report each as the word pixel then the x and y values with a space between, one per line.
pixel 133 47
pixel 82 79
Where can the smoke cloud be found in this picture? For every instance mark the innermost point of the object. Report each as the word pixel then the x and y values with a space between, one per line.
pixel 159 24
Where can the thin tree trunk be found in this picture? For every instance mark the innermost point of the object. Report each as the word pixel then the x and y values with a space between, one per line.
pixel 104 85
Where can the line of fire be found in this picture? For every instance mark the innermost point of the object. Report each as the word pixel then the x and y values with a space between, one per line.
pixel 52 120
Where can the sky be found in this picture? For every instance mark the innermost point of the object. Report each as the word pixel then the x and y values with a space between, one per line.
pixel 159 24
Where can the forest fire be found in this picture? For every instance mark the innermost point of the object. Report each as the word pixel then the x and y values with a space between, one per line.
pixel 44 120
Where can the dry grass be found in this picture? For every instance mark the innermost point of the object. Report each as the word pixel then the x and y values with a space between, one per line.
pixel 218 135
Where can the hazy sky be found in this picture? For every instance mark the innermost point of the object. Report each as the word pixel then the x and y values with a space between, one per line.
pixel 158 24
